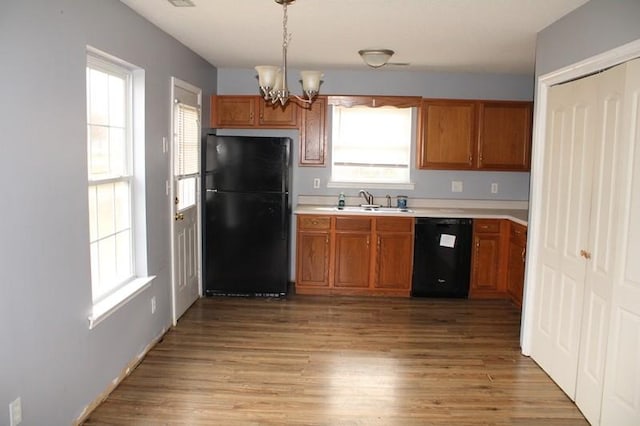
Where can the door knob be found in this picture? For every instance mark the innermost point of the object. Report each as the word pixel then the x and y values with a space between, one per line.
pixel 585 254
pixel 179 216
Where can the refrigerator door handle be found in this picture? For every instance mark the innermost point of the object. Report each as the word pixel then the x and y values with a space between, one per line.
pixel 212 190
pixel 283 218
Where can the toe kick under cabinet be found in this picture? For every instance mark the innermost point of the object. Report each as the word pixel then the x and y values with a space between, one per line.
pixel 354 255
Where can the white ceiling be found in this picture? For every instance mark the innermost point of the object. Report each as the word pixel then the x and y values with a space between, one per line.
pixel 439 35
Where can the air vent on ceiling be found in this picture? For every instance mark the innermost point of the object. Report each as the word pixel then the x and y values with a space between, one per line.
pixel 182 3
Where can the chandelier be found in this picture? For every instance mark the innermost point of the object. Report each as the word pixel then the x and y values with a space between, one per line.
pixel 273 79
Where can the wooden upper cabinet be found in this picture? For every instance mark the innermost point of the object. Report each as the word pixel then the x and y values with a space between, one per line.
pixel 447 134
pixel 277 115
pixel 313 140
pixel 233 111
pixel 475 135
pixel 504 135
pixel 251 111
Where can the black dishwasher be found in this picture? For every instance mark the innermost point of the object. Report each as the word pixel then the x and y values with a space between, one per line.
pixel 441 258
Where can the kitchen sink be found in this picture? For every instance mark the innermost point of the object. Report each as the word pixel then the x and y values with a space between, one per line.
pixel 372 209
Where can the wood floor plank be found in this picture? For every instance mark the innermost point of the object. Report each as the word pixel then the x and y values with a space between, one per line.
pixel 340 361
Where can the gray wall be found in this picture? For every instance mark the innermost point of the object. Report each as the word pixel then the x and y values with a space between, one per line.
pixel 596 27
pixel 48 355
pixel 429 184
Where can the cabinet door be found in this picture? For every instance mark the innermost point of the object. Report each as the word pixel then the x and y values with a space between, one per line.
pixel 504 135
pixel 486 259
pixel 312 133
pixel 277 116
pixel 233 111
pixel 312 259
pixel 394 261
pixel 447 134
pixel 353 251
pixel 515 265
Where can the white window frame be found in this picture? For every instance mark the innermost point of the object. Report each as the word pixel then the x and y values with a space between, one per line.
pixel 124 290
pixel 408 184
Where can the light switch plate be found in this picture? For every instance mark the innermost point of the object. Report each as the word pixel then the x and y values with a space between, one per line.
pixel 15 412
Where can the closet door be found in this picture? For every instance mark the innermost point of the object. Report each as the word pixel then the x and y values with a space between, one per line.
pixel 621 397
pixel 561 270
pixel 600 251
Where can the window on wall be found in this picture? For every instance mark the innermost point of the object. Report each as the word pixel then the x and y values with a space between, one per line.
pixel 371 145
pixel 112 184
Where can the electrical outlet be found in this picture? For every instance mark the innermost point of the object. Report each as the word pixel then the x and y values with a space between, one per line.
pixel 15 412
pixel 153 305
pixel 316 183
pixel 494 188
pixel 456 186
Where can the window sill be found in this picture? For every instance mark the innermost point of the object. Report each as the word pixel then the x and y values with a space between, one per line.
pixel 371 185
pixel 109 305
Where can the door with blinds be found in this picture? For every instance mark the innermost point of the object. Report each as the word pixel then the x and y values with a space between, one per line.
pixel 185 166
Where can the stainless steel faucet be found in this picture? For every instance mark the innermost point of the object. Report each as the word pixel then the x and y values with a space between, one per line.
pixel 388 200
pixel 368 198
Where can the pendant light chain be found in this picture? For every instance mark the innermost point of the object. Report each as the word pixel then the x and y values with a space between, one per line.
pixel 273 80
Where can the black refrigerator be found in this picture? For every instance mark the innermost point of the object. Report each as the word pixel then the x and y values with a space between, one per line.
pixel 246 212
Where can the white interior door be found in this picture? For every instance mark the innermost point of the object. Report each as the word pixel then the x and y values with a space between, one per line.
pixel 621 396
pixel 186 192
pixel 600 252
pixel 564 223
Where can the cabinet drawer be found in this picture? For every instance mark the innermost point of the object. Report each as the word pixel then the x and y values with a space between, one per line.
pixel 396 224
pixel 353 224
pixel 486 226
pixel 314 222
pixel 518 233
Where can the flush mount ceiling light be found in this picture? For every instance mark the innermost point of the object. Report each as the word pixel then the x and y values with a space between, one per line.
pixel 273 80
pixel 376 58
pixel 182 3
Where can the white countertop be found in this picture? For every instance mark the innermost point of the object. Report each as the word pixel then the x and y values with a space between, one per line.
pixel 517 215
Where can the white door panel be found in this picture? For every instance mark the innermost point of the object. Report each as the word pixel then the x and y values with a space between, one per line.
pixel 603 240
pixel 621 395
pixel 185 167
pixel 565 221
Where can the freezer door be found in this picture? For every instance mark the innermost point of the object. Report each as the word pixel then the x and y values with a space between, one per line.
pixel 246 243
pixel 246 164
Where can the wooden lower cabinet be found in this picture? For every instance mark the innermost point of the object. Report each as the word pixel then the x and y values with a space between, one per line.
pixel 487 259
pixel 394 255
pixel 497 260
pixel 313 252
pixel 354 255
pixel 516 262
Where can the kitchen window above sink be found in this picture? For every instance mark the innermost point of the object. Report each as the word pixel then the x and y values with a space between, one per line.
pixel 371 145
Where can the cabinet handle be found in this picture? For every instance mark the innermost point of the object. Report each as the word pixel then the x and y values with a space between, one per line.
pixel 585 254
pixel 523 253
pixel 368 240
pixel 326 239
pixel 378 242
pixel 250 116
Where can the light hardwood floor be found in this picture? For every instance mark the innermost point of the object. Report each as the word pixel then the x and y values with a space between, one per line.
pixel 340 361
